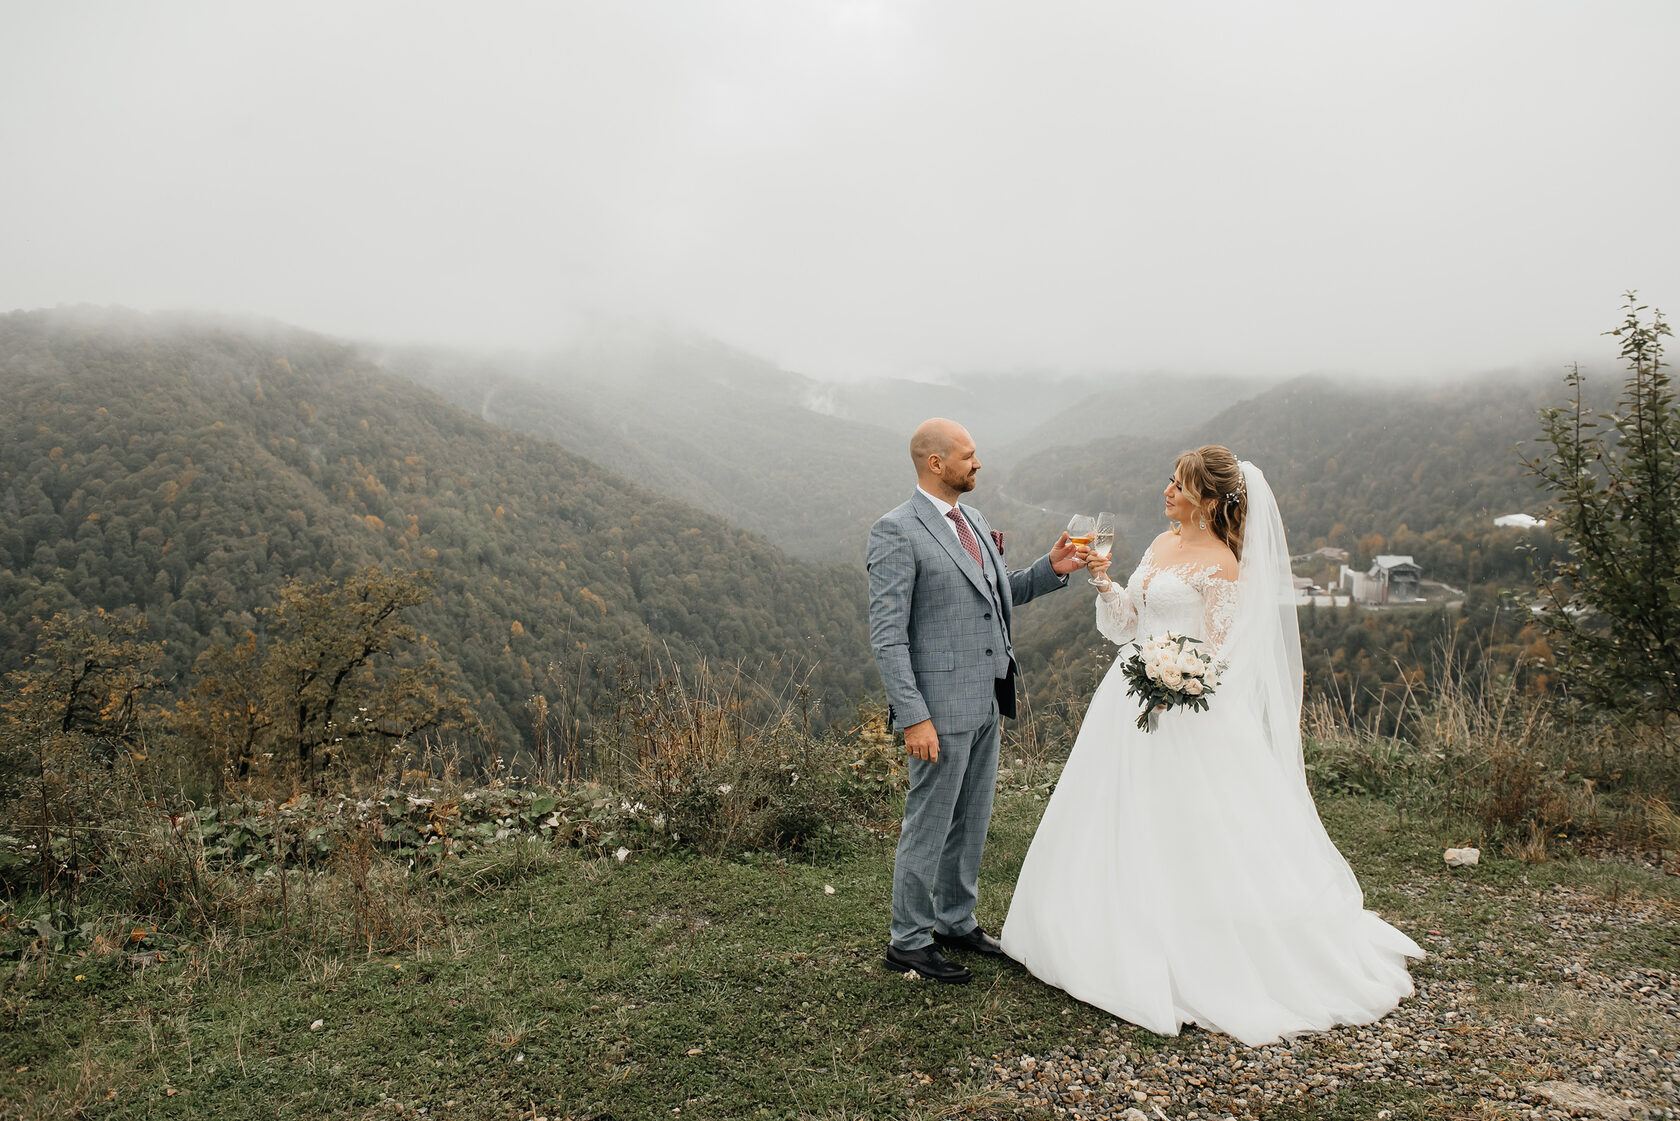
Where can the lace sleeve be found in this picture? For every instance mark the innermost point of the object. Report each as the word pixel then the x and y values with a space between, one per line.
pixel 1117 615
pixel 1219 613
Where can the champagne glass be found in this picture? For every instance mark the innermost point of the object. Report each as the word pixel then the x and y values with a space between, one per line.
pixel 1080 529
pixel 1102 539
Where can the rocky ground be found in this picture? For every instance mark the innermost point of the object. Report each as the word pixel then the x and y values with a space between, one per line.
pixel 1534 1026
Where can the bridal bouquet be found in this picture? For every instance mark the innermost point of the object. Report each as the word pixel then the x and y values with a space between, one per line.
pixel 1166 673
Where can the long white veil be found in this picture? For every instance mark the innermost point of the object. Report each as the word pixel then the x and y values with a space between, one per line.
pixel 1264 651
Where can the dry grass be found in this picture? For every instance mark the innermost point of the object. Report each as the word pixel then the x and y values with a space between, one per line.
pixel 1587 1017
pixel 1662 823
pixel 1531 849
pixel 726 763
pixel 382 909
pixel 1524 772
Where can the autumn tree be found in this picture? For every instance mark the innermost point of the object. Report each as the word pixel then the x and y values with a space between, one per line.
pixel 228 713
pixel 339 676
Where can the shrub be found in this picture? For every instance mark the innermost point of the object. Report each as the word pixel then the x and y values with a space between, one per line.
pixel 77 722
pixel 725 765
pixel 1612 609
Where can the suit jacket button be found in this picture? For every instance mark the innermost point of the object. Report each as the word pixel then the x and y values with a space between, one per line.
pixel 988 653
pixel 988 615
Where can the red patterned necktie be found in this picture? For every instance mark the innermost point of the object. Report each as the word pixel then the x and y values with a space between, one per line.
pixel 965 535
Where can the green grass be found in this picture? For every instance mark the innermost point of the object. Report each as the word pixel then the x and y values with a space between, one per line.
pixel 541 983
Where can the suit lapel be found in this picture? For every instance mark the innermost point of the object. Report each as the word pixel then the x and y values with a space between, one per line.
pixel 947 538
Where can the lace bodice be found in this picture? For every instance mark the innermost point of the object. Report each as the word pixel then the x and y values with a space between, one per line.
pixel 1190 599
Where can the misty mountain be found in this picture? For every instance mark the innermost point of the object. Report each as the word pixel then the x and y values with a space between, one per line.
pixel 806 463
pixel 1346 461
pixel 998 409
pixel 1414 470
pixel 187 469
pixel 1123 409
pixel 693 420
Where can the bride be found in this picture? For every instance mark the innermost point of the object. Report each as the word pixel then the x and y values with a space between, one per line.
pixel 1181 875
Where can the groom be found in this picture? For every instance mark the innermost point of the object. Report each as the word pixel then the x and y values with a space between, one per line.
pixel 939 606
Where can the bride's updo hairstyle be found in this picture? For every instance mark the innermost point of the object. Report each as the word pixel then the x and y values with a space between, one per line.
pixel 1211 472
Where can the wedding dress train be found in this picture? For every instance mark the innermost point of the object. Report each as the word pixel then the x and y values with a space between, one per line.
pixel 1182 875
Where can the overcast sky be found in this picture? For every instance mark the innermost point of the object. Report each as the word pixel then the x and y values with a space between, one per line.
pixel 864 187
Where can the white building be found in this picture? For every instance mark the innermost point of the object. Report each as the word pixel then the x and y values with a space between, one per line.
pixel 1392 579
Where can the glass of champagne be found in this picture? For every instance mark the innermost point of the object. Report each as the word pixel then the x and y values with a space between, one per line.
pixel 1080 529
pixel 1102 539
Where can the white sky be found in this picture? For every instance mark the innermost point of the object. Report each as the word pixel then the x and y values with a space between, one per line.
pixel 864 187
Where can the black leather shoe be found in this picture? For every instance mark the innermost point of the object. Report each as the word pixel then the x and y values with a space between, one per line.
pixel 928 962
pixel 975 941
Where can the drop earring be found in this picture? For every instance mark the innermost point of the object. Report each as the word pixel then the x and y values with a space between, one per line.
pixel 1201 521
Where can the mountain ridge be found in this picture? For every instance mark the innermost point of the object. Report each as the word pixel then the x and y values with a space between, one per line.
pixel 185 469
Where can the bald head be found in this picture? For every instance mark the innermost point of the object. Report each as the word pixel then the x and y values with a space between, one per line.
pixel 935 436
pixel 943 452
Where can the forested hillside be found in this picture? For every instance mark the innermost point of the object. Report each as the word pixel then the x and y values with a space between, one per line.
pixel 186 470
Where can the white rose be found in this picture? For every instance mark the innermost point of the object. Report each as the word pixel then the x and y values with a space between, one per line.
pixel 1189 663
pixel 1171 677
pixel 1193 686
pixel 1152 671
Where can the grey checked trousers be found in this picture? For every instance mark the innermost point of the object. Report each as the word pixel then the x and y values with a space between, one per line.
pixel 936 875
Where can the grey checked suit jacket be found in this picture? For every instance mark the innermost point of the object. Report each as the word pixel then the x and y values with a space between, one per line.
pixel 930 616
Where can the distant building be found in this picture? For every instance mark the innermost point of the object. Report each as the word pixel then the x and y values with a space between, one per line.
pixel 1329 552
pixel 1391 579
pixel 1520 521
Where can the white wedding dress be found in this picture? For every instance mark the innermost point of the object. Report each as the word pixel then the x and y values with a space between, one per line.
pixel 1182 875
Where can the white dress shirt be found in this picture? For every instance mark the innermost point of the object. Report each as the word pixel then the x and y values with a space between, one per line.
pixel 945 509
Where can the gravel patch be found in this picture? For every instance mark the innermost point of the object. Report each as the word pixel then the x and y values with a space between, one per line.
pixel 1529 1027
